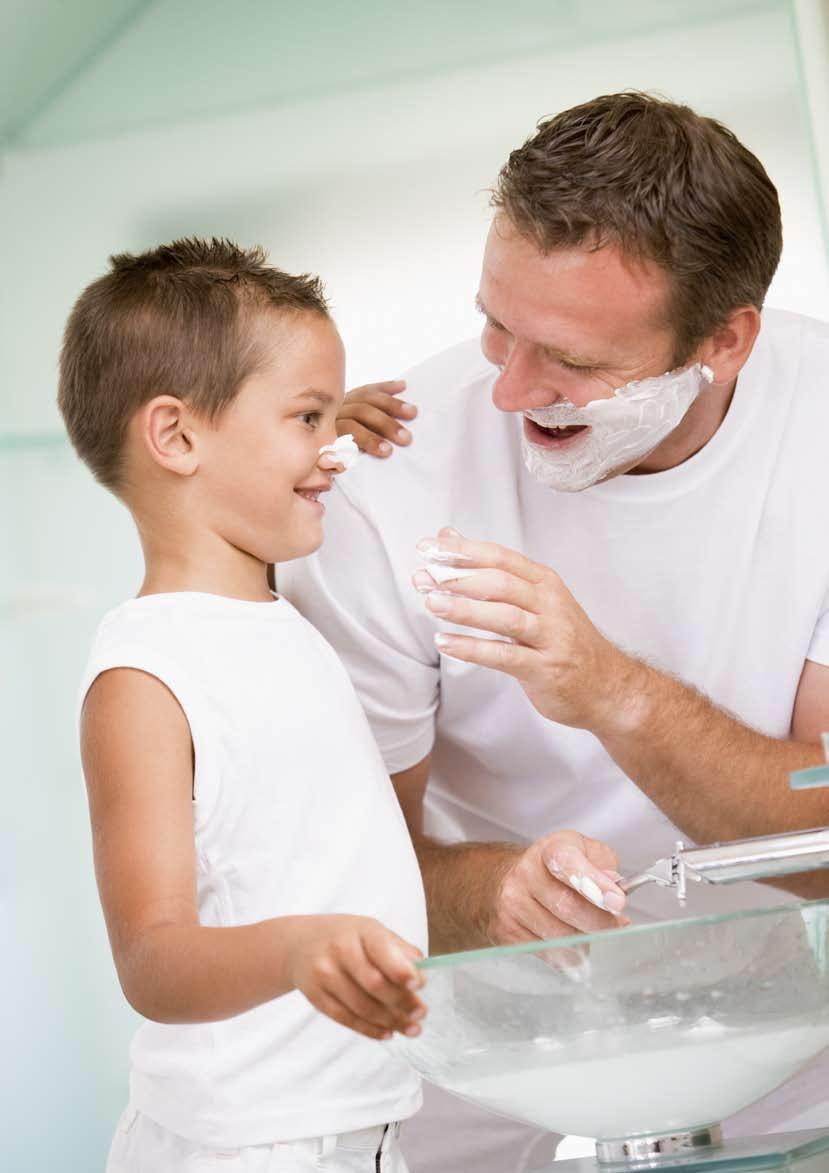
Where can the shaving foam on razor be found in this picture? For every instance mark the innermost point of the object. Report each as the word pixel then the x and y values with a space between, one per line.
pixel 343 451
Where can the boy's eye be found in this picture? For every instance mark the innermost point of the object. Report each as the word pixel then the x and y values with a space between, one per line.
pixel 311 418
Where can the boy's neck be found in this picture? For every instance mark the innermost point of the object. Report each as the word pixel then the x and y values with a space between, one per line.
pixel 201 562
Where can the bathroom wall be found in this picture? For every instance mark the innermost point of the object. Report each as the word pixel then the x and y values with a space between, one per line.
pixel 362 151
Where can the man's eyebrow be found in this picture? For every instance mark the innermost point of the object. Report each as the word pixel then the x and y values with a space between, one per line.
pixel 555 352
pixel 319 396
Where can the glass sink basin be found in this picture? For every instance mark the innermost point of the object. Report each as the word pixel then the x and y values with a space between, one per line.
pixel 634 1032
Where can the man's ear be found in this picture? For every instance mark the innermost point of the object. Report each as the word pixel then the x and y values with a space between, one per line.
pixel 726 350
pixel 167 431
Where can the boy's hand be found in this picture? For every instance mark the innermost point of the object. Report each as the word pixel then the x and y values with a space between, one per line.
pixel 371 414
pixel 360 974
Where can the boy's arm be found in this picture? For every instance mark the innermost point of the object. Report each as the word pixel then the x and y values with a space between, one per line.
pixel 138 762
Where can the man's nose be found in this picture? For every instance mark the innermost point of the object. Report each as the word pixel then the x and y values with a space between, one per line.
pixel 521 384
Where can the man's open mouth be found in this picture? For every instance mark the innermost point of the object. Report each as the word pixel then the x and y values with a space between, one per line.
pixel 552 437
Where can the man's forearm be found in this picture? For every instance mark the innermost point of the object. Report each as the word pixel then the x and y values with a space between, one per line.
pixel 462 881
pixel 713 776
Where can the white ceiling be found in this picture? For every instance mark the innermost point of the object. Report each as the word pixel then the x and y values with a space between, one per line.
pixel 71 71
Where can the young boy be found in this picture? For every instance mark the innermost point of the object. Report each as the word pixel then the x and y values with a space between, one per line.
pixel 249 847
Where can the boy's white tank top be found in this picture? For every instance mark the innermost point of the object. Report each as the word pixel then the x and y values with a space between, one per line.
pixel 294 814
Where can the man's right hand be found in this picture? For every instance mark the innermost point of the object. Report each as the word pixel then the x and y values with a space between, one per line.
pixel 561 884
pixel 372 415
pixel 359 973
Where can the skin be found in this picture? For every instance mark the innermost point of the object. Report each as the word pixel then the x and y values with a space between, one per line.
pixel 216 502
pixel 575 324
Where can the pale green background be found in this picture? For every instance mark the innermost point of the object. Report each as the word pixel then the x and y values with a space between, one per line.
pixel 352 138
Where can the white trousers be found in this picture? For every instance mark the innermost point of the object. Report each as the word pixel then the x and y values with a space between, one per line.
pixel 142 1146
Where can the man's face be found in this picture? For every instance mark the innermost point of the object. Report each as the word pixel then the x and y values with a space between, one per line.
pixel 571 325
pixel 260 467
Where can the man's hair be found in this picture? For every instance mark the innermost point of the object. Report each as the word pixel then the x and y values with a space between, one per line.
pixel 177 320
pixel 664 184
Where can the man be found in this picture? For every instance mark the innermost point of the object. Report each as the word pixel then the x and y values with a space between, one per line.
pixel 660 659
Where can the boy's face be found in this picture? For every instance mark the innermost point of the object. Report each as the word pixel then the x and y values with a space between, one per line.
pixel 259 464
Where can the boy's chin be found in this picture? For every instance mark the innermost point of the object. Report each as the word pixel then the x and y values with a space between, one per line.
pixel 298 549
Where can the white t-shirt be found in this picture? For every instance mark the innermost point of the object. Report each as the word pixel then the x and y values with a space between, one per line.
pixel 294 814
pixel 716 571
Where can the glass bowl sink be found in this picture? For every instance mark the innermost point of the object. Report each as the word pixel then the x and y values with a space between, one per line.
pixel 647 1030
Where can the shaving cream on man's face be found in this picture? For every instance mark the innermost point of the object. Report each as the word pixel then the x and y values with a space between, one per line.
pixel 619 432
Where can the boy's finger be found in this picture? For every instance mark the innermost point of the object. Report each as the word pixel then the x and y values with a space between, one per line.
pixel 369 996
pixel 367 441
pixel 384 402
pixel 377 421
pixel 388 386
pixel 332 1007
pixel 395 959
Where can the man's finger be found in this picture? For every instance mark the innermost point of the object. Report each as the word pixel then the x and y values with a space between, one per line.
pixel 500 618
pixel 491 586
pixel 449 542
pixel 567 863
pixel 514 659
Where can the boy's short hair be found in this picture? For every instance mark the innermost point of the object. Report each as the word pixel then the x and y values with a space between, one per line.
pixel 176 320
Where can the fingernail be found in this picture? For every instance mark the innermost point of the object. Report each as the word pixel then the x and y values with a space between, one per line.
pixel 614 902
pixel 423 581
pixel 442 640
pixel 412 1031
pixel 588 888
pixel 409 409
pixel 439 601
pixel 432 551
pixel 384 448
pixel 449 532
pixel 402 435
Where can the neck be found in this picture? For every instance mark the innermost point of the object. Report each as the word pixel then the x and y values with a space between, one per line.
pixel 701 421
pixel 184 558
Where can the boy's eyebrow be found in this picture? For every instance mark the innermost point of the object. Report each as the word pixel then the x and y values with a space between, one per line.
pixel 320 396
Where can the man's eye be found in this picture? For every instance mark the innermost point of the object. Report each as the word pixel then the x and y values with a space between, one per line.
pixel 493 325
pixel 569 366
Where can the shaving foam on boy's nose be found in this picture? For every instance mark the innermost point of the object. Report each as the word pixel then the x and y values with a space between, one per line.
pixel 343 451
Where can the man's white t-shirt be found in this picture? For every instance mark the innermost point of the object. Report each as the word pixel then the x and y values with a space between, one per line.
pixel 294 815
pixel 716 571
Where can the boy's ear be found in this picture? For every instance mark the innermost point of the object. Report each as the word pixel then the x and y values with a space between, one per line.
pixel 166 428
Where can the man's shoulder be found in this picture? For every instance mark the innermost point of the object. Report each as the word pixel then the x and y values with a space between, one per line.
pixel 795 334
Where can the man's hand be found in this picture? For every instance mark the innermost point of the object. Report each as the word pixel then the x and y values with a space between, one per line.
pixel 360 974
pixel 372 413
pixel 562 884
pixel 571 673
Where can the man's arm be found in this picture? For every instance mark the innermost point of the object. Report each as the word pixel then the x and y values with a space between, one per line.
pixel 711 774
pixel 481 894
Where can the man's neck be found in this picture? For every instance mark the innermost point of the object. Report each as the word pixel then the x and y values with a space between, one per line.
pixel 702 420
